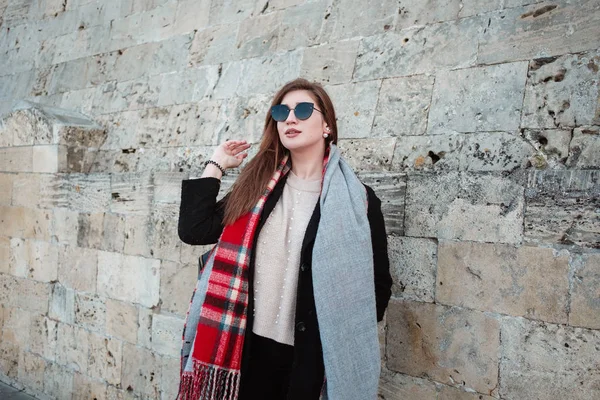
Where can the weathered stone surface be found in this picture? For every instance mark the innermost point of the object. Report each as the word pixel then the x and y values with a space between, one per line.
pixel 165 241
pixel 301 25
pixel 584 148
pixel 131 193
pixel 90 230
pixel 144 332
pixel 435 152
pixel 478 99
pixel 34 259
pixel 446 344
pixel 332 64
pixel 115 224
pixel 105 358
pixel 150 130
pixel 177 282
pixel 191 85
pixel 17 327
pixel 346 19
pixel 72 346
pixel 355 108
pixel 241 118
pixel 116 272
pixel 486 209
pixel 540 30
pixel 166 334
pixel 418 13
pixel 413 266
pixel 167 187
pixel 451 393
pixel 88 192
pixel 16 159
pixel 90 311
pixel 13 221
pixel 562 208
pixel 140 371
pixel 419 50
pixel 526 281
pixel 77 268
pixel 4 256
pixel 532 351
pixel 170 367
pixel 27 294
pixel 137 229
pixel 191 15
pixel 553 144
pixel 26 190
pixel 585 294
pixel 224 11
pixel 6 188
pixel 58 381
pixel 62 304
pixel 146 26
pixel 403 106
pixel 42 336
pixel 65 225
pixel 368 154
pixel 257 35
pixel 191 124
pixel 495 151
pixel 86 388
pixel 562 91
pixel 121 320
pixel 31 371
pixel 213 45
pixel 127 95
pixel 395 386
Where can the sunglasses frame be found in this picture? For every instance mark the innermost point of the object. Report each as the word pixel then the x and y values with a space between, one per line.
pixel 312 107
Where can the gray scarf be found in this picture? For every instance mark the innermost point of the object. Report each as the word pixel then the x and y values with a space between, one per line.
pixel 344 286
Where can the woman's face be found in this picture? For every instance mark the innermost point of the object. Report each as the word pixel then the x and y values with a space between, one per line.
pixel 297 135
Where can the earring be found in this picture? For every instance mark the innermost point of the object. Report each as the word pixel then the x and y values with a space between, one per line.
pixel 325 135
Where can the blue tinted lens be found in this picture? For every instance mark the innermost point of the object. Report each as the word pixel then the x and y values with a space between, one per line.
pixel 303 110
pixel 280 112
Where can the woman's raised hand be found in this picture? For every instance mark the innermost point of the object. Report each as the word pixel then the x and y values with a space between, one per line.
pixel 231 153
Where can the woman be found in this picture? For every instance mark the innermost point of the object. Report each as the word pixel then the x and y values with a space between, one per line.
pixel 288 302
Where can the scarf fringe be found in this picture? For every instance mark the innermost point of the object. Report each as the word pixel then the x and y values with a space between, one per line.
pixel 209 382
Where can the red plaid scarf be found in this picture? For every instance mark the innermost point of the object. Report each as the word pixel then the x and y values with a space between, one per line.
pixel 217 356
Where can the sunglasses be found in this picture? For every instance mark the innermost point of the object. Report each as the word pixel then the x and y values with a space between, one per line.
pixel 302 111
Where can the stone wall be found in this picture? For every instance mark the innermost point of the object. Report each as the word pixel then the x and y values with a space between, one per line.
pixel 476 122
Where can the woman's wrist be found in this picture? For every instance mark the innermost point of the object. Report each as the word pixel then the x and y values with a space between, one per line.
pixel 216 164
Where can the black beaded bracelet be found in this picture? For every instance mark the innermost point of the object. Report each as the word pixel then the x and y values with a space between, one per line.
pixel 216 164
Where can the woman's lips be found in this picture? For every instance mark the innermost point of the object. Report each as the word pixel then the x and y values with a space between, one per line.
pixel 292 133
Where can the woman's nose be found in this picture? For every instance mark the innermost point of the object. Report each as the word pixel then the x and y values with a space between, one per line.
pixel 291 117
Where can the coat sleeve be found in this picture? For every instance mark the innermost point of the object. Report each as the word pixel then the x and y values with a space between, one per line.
pixel 381 263
pixel 200 215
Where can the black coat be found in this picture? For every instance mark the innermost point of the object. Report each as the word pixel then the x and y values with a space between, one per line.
pixel 201 222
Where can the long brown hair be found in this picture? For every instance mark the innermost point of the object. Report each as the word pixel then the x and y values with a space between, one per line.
pixel 255 177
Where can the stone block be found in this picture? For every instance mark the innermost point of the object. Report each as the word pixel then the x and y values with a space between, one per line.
pixel 121 320
pixel 116 274
pixel 413 264
pixel 33 259
pixel 147 26
pixel 331 63
pixel 167 187
pixel 4 257
pixel 191 85
pixel 478 99
pixel 177 283
pixel 368 154
pixel 25 190
pixel 31 371
pixel 89 192
pixel 55 191
pixel 38 224
pixel 86 388
pixel 476 7
pixel 62 304
pixel 406 100
pixel 13 221
pixel 65 226
pixel 562 91
pixel 553 144
pixel 540 29
pixel 131 193
pixel 17 327
pixel 390 188
pixel 418 13
pixel 42 336
pixel 16 159
pixel 137 228
pixel 165 242
pixel 448 45
pixel 214 45
pixel 72 346
pixel 242 118
pixel 149 132
pixel 105 358
pixel 191 15
pixel 128 95
pixel 585 297
pixel 452 393
pixel 144 332
pixel 532 351
pixel 28 294
pixel 6 187
pixel 561 207
pixel 269 73
pixel 193 124
pixel 424 153
pixel 226 11
pixel 347 19
pixel 170 367
pixel 480 208
pixel 526 281
pixel 495 151
pixel 445 344
pixel 77 268
pixel 257 36
pixel 90 311
pixel 584 148
pixel 90 233
pixel 58 381
pixel 300 24
pixel 9 359
pixel 166 334
pixel 115 224
pixel 140 371
pixel 396 386
pixel 355 107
